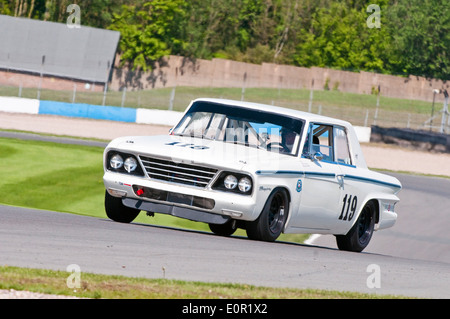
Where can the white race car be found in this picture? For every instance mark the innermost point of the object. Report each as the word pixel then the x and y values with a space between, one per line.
pixel 265 169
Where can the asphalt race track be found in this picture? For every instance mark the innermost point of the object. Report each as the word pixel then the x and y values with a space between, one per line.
pixel 51 240
pixel 411 259
pixel 421 230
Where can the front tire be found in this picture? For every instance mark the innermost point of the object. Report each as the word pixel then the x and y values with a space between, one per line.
pixel 359 236
pixel 117 211
pixel 271 221
pixel 226 229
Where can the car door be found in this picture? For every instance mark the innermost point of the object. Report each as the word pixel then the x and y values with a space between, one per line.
pixel 352 189
pixel 322 182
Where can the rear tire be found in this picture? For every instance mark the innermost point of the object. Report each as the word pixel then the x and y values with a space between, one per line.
pixel 271 221
pixel 117 211
pixel 359 236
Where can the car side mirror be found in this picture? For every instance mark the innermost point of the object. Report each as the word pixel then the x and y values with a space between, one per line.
pixel 318 156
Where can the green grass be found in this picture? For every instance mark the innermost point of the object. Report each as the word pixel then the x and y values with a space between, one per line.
pixel 295 98
pixel 68 178
pixel 117 287
pixel 50 176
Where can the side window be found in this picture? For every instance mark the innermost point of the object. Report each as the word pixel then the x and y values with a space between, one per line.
pixel 320 139
pixel 341 146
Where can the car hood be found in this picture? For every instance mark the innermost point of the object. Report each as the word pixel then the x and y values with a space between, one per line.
pixel 201 151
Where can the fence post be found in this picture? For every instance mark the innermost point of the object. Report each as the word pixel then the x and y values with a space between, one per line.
pixel 74 92
pixel 124 94
pixel 311 96
pixel 378 104
pixel 172 98
pixel 40 78
pixel 444 111
pixel 104 93
pixel 243 86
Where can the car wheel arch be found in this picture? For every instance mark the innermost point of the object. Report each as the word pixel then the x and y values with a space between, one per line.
pixel 366 201
pixel 264 228
pixel 286 190
pixel 359 235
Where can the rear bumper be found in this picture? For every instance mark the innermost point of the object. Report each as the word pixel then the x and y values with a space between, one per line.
pixel 388 217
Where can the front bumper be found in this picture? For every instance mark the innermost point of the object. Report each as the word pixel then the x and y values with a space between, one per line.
pixel 198 204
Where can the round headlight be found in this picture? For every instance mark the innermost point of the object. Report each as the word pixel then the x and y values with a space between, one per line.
pixel 130 164
pixel 245 184
pixel 116 161
pixel 230 182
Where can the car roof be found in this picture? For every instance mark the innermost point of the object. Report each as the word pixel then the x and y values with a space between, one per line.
pixel 311 117
pixel 355 147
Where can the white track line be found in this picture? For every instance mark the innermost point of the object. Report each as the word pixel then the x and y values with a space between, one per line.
pixel 311 239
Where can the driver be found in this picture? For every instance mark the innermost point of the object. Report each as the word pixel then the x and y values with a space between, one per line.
pixel 287 139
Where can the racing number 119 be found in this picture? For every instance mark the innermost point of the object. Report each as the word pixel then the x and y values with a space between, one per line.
pixel 348 205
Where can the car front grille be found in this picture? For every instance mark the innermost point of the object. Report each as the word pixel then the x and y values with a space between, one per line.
pixel 170 171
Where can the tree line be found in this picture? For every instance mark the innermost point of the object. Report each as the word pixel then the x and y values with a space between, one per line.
pixel 401 37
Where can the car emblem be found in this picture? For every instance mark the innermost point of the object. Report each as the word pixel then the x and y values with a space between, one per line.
pixel 299 186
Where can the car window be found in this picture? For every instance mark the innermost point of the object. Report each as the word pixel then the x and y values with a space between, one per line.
pixel 270 131
pixel 341 146
pixel 320 139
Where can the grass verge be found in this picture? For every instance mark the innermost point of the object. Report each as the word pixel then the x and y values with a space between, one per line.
pixel 120 287
pixel 68 178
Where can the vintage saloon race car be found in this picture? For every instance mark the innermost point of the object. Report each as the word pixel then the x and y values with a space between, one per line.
pixel 265 169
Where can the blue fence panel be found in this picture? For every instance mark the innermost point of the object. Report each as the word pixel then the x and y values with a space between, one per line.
pixel 97 112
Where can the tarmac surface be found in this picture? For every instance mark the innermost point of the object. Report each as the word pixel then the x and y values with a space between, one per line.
pixel 413 256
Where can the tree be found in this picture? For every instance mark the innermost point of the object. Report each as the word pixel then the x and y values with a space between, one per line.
pixel 149 31
pixel 338 37
pixel 414 37
pixel 421 37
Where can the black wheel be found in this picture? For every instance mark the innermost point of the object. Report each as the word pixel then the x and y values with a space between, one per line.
pixel 226 229
pixel 359 236
pixel 271 221
pixel 117 211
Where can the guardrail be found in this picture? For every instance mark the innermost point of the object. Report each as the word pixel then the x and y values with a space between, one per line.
pixel 98 112
pixel 418 139
pixel 111 113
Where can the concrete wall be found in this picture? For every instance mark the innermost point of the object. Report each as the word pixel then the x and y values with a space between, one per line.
pixel 27 80
pixel 181 71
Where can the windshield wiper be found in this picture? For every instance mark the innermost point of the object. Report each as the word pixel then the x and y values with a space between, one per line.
pixel 192 135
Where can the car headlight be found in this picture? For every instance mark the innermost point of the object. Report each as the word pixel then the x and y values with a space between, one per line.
pixel 245 184
pixel 130 164
pixel 230 182
pixel 234 182
pixel 116 161
pixel 123 163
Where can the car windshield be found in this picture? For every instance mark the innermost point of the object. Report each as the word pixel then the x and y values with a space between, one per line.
pixel 231 124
